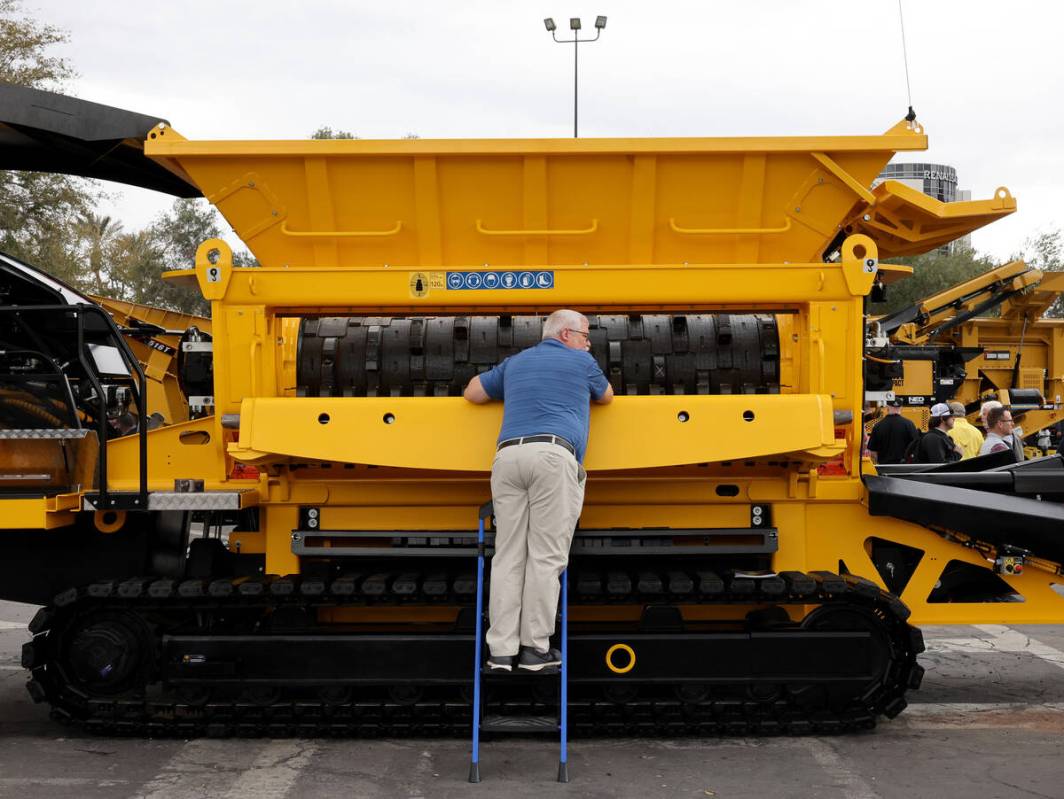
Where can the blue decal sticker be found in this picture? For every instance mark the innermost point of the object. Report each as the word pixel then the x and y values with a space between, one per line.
pixel 508 281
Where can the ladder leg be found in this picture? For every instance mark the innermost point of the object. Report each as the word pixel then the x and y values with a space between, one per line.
pixel 474 763
pixel 563 760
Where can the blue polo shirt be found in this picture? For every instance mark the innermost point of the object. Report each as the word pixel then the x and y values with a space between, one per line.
pixel 547 389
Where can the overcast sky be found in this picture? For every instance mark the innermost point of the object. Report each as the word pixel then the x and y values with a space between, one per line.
pixel 986 76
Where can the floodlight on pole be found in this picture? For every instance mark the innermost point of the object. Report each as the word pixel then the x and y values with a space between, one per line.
pixel 575 27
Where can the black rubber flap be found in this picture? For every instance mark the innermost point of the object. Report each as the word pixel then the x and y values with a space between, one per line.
pixel 45 132
pixel 981 463
pixel 998 519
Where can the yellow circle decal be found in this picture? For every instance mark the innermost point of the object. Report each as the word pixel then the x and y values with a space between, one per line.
pixel 620 648
pixel 109 521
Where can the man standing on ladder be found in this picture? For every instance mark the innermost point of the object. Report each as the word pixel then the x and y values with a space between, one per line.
pixel 537 483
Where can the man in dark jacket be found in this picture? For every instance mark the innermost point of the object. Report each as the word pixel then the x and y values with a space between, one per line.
pixel 936 446
pixel 892 435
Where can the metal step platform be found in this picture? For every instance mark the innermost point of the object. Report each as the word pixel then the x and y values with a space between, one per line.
pixel 179 500
pixel 45 433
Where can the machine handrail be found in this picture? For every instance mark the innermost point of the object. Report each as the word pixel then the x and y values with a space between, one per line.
pixel 543 232
pixel 342 234
pixel 728 231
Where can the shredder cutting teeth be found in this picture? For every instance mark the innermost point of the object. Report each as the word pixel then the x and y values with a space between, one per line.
pixel 295 552
pixel 437 356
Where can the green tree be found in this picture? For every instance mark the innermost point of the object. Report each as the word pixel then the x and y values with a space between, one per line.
pixel 39 213
pixel 97 235
pixel 134 260
pixel 176 236
pixel 25 44
pixel 325 132
pixel 139 260
pixel 932 272
pixel 39 219
pixel 1045 251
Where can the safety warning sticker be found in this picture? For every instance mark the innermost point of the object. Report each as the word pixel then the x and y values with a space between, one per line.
pixel 506 281
pixel 421 283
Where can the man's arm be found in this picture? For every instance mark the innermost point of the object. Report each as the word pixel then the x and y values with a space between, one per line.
pixel 606 398
pixel 875 442
pixel 475 392
pixel 948 451
pixel 597 382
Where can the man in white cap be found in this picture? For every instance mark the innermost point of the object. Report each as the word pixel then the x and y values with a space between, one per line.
pixel 936 446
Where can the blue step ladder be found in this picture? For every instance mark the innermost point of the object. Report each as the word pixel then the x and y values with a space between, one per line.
pixel 517 724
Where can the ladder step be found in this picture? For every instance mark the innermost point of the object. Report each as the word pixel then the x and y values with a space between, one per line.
pixel 519 674
pixel 519 724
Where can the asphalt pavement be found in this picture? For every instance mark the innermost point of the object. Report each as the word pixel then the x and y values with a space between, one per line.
pixel 988 722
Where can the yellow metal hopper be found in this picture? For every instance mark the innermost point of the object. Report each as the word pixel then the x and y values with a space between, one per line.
pixel 519 202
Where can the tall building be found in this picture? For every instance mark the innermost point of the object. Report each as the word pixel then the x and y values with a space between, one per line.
pixel 935 180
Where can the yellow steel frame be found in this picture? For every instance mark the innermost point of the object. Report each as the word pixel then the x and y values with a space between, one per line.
pixel 625 225
pixel 44 513
pixel 427 468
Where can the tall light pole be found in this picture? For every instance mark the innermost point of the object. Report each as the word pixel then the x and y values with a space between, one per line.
pixel 574 26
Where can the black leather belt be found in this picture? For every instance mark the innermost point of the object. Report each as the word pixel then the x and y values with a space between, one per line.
pixel 544 439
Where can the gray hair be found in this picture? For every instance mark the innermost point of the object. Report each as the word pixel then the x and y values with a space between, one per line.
pixel 957 408
pixel 986 407
pixel 560 320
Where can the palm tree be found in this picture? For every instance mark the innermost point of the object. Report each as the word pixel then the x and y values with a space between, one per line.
pixel 98 232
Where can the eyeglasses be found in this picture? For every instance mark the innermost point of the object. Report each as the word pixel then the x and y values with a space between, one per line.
pixel 581 332
pixel 1007 421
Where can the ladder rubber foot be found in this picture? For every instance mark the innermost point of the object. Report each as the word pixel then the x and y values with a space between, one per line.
pixel 563 772
pixel 474 772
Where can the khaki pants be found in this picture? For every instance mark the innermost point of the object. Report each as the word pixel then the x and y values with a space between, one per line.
pixel 537 491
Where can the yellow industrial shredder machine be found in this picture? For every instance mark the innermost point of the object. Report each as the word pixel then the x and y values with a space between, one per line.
pixel 737 566
pixel 948 346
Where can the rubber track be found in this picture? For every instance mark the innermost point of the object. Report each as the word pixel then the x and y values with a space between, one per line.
pixel 159 715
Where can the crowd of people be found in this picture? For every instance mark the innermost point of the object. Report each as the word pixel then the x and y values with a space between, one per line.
pixel 950 436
